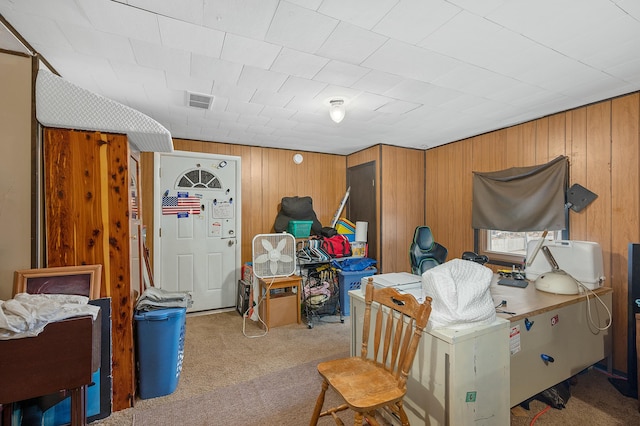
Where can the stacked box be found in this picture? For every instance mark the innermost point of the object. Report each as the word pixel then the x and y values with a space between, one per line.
pixel 346 228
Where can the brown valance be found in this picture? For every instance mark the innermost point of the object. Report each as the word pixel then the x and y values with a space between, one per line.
pixel 521 199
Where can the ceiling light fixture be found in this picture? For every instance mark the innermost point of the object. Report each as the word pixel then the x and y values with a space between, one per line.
pixel 336 110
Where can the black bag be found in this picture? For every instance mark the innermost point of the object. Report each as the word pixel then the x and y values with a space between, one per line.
pixel 296 208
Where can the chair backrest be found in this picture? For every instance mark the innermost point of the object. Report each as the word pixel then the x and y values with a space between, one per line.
pixel 424 252
pixel 399 323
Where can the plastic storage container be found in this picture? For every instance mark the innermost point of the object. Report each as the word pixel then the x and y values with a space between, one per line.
pixel 160 348
pixel 300 228
pixel 349 280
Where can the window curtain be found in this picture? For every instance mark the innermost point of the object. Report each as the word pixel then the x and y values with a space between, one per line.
pixel 521 199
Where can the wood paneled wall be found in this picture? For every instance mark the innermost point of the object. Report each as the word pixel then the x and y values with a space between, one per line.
pixel 602 142
pixel 400 178
pixel 268 174
pixel 87 223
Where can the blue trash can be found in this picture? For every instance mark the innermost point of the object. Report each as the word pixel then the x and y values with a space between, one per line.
pixel 160 350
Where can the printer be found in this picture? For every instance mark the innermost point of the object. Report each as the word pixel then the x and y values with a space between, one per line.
pixel 404 282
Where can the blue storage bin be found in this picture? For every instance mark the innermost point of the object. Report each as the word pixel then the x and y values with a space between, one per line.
pixel 349 280
pixel 160 348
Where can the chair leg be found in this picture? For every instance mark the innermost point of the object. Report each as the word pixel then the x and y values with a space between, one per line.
pixel 319 404
pixel 358 419
pixel 403 416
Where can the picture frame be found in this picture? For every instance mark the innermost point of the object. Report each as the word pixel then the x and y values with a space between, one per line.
pixel 84 280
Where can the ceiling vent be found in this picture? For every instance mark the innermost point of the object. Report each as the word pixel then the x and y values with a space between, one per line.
pixel 198 100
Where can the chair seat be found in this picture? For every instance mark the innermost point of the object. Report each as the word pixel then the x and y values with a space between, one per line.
pixel 361 383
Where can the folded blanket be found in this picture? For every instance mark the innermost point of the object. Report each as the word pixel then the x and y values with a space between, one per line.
pixel 26 315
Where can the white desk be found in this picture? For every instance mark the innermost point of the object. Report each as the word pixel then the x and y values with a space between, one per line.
pixel 453 364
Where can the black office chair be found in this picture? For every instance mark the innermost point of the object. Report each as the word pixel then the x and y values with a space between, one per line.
pixel 424 252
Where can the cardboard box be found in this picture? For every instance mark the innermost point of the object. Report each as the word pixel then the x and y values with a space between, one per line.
pixel 283 309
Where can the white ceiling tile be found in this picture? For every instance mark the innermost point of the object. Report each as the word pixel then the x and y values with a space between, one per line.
pixel 480 8
pixel 267 97
pixel 277 113
pixel 46 32
pixel 162 58
pixel 368 102
pixel 122 19
pixel 330 92
pixel 188 83
pixel 298 64
pixel 412 20
pixel 430 72
pixel 377 82
pixel 340 73
pixel 109 46
pixel 219 105
pixel 299 28
pixel 546 20
pixel 632 7
pixel 243 50
pixel 351 44
pixel 218 70
pixel 233 93
pixel 181 35
pixel 253 77
pixel 477 41
pixel 609 42
pixel 398 107
pixel 183 10
pixel 249 18
pixel 134 73
pixel 418 91
pixel 559 74
pixel 628 71
pixel 410 61
pixel 301 87
pixel 363 13
pixel 309 4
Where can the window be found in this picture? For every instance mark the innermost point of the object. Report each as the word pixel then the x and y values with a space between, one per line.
pixel 199 179
pixel 509 248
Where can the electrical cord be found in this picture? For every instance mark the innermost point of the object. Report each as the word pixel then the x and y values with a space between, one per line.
pixel 586 290
pixel 257 311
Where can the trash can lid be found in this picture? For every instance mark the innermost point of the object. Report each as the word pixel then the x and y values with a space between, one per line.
pixel 159 314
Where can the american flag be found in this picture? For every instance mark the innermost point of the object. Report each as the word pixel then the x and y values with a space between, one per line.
pixel 175 205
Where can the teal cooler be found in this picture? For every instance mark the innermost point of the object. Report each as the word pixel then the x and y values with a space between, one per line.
pixel 350 280
pixel 160 348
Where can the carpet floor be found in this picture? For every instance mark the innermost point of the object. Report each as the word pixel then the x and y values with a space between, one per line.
pixel 232 377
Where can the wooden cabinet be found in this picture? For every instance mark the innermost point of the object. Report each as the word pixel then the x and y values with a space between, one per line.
pixel 87 204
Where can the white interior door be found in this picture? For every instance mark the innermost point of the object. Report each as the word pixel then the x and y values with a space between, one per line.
pixel 198 215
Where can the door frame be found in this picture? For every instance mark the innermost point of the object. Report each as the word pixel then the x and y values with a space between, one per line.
pixel 157 205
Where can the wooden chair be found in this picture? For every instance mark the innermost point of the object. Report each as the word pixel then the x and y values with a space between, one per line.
pixel 367 382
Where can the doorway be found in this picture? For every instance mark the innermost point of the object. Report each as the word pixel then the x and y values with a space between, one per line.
pixel 361 205
pixel 197 207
